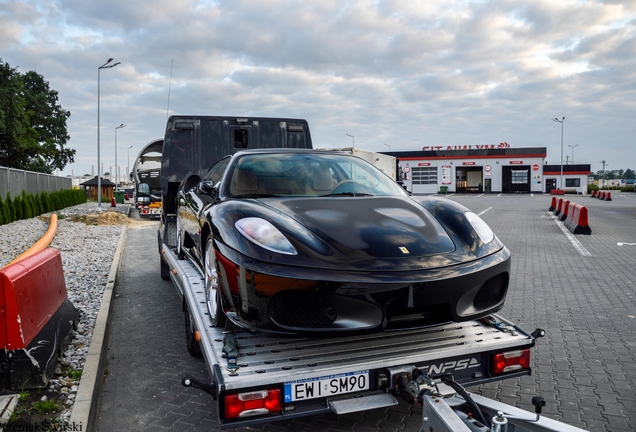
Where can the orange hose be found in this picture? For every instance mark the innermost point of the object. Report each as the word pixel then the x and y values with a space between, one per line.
pixel 41 244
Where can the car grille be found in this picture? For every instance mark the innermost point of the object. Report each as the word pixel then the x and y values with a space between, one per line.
pixel 305 309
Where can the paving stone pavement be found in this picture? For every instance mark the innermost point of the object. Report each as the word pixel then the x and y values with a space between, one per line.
pixel 585 367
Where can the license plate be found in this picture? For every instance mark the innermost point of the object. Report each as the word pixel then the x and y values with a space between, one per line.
pixel 326 386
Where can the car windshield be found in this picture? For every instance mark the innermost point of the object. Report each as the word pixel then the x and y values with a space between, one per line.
pixel 308 174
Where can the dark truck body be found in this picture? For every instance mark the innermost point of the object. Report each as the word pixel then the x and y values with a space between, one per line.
pixel 192 144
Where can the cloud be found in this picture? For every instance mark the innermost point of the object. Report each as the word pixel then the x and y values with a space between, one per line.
pixel 398 72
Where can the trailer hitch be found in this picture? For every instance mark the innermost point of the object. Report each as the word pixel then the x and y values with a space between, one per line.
pixel 188 381
pixel 500 421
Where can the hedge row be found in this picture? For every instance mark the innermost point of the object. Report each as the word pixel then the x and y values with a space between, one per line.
pixel 26 206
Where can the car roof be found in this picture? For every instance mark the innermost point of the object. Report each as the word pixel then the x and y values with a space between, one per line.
pixel 289 151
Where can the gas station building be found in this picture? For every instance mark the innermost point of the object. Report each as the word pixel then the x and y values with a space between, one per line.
pixel 496 168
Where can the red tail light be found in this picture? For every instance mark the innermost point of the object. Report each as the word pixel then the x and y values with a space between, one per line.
pixel 253 403
pixel 511 361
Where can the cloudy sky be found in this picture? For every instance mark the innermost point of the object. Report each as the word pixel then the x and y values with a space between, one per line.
pixel 395 74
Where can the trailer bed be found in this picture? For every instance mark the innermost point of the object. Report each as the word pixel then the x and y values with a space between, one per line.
pixel 267 360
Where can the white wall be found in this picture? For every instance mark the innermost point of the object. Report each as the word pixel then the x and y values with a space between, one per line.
pixel 537 181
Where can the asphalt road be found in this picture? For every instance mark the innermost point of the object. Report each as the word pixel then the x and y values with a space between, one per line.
pixel 579 288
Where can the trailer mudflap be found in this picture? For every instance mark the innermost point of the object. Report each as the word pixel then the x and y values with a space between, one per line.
pixel 363 402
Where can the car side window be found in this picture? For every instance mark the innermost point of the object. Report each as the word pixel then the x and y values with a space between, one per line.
pixel 215 173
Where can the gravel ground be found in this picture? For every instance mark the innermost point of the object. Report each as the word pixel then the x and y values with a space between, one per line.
pixel 87 252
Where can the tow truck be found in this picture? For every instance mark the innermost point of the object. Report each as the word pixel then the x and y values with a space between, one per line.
pixel 146 176
pixel 256 378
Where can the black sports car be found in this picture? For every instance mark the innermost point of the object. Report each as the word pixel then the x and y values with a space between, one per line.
pixel 317 242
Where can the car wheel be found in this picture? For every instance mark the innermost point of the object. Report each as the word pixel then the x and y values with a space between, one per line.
pixel 212 290
pixel 180 253
pixel 194 348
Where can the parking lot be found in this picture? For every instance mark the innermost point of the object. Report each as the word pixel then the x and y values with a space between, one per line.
pixel 580 289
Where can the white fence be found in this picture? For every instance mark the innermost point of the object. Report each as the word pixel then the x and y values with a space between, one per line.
pixel 15 181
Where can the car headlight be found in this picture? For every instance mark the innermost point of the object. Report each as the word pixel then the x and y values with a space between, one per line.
pixel 264 234
pixel 483 230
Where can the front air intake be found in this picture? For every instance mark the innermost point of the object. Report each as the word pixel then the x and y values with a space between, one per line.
pixel 301 309
pixel 492 292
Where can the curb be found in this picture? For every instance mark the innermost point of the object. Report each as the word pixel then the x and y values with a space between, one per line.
pixel 88 398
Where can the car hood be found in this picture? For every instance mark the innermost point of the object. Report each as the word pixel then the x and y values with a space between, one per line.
pixel 359 234
pixel 370 227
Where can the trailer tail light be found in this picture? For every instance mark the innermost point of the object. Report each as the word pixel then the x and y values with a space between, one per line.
pixel 252 403
pixel 511 361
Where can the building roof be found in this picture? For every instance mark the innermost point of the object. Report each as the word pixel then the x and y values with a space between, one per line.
pixel 462 152
pixel 570 169
pixel 93 182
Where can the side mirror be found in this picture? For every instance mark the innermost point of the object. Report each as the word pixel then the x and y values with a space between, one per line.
pixel 207 187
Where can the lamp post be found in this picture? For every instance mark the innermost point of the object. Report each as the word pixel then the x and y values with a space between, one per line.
pixel 128 165
pixel 99 172
pixel 604 163
pixel 388 146
pixel 572 147
pixel 561 121
pixel 354 140
pixel 117 166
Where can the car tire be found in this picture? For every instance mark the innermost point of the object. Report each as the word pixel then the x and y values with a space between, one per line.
pixel 212 289
pixel 194 348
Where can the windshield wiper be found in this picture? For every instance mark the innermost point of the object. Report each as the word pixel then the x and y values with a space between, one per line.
pixel 353 194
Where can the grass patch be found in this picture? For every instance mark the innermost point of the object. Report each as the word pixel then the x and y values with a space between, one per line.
pixel 23 396
pixel 47 406
pixel 74 374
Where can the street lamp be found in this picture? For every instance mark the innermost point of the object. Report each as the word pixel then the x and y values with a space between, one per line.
pixel 117 166
pixel 128 166
pixel 388 146
pixel 99 173
pixel 561 121
pixel 354 140
pixel 604 164
pixel 572 147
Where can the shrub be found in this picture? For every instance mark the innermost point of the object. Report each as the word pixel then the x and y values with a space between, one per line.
pixel 41 204
pixel 11 207
pixel 50 206
pixel 34 205
pixel 17 205
pixel 26 206
pixel 27 212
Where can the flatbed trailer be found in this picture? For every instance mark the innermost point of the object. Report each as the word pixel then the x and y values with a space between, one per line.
pixel 258 378
pixel 343 374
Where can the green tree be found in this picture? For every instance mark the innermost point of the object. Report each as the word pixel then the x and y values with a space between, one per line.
pixel 17 138
pixel 48 119
pixel 629 174
pixel 33 132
